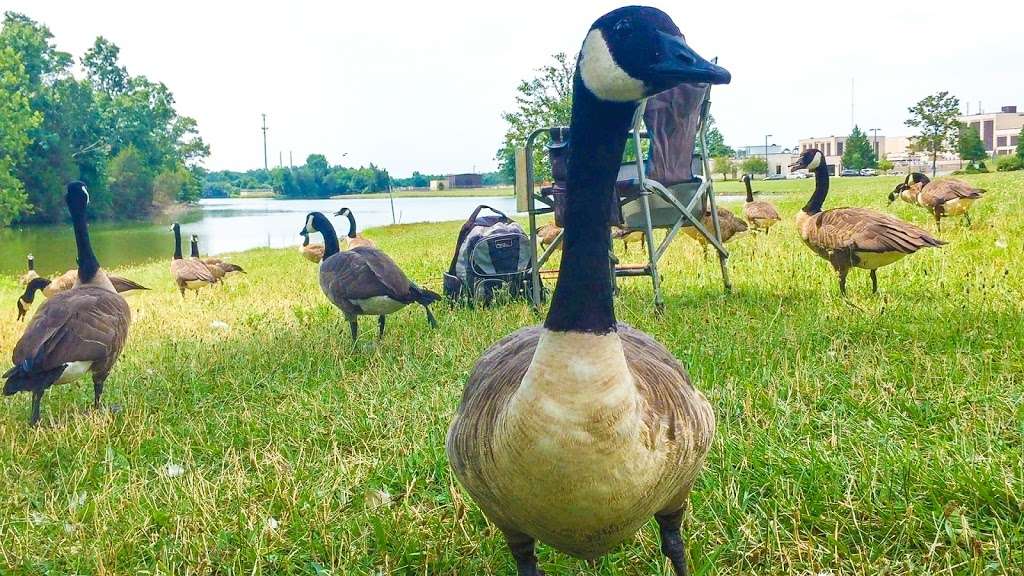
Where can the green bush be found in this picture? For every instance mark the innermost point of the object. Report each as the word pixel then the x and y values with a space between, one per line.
pixel 1010 163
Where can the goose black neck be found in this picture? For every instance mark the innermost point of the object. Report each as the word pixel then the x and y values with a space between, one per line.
pixel 582 301
pixel 750 191
pixel 305 240
pixel 35 285
pixel 88 265
pixel 326 229
pixel 195 249
pixel 820 189
pixel 351 224
pixel 177 244
pixel 31 264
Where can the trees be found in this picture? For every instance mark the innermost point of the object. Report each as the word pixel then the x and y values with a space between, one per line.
pixel 885 166
pixel 754 165
pixel 970 146
pixel 858 153
pixel 16 121
pixel 1020 144
pixel 937 118
pixel 716 142
pixel 722 165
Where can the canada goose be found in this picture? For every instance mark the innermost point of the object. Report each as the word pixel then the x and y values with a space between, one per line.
pixel 946 197
pixel 191 274
pixel 730 226
pixel 577 432
pixel 312 252
pixel 904 192
pixel 760 214
pixel 547 234
pixel 63 283
pixel 76 332
pixel 629 236
pixel 853 237
pixel 364 281
pixel 215 270
pixel 31 274
pixel 353 239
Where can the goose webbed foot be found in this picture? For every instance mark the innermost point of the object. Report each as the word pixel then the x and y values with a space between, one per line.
pixel 522 552
pixel 97 391
pixel 37 397
pixel 672 544
pixel 381 320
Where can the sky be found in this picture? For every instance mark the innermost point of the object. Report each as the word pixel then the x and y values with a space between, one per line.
pixel 422 85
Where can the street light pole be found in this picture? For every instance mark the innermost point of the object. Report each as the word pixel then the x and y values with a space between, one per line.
pixel 766 137
pixel 876 131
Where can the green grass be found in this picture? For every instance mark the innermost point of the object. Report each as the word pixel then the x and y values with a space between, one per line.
pixel 884 435
pixel 458 192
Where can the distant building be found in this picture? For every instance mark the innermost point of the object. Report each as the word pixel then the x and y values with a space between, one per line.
pixel 465 181
pixel 999 131
pixel 778 158
pixel 895 149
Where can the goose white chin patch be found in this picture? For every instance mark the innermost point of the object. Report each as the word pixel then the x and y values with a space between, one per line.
pixel 815 162
pixel 603 76
pixel 309 224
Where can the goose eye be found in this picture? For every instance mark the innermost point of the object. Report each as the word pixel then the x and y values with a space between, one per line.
pixel 623 28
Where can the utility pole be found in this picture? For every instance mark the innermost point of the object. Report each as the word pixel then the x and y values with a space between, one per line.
pixel 766 137
pixel 265 166
pixel 876 131
pixel 280 159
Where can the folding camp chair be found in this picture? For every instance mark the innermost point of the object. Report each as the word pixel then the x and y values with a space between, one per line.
pixel 668 188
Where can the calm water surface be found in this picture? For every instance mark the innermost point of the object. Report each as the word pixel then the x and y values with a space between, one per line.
pixel 228 225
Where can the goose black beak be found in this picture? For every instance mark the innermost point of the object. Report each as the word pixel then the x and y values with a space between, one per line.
pixel 681 64
pixel 21 311
pixel 798 165
pixel 303 232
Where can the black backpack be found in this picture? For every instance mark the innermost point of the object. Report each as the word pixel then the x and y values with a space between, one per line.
pixel 491 254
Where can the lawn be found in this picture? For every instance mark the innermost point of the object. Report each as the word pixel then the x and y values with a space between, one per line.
pixel 879 435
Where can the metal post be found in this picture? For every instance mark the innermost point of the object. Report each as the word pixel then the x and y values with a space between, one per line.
pixel 265 166
pixel 766 137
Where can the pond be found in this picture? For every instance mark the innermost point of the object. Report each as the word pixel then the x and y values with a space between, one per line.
pixel 223 225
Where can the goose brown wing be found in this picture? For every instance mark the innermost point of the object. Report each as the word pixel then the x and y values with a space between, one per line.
pixel 760 210
pixel 363 273
pixel 84 324
pixel 124 284
pixel 387 272
pixel 866 230
pixel 941 191
pixel 188 270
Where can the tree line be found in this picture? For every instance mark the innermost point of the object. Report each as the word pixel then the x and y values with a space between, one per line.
pixel 118 133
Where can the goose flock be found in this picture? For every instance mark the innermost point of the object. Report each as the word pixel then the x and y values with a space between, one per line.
pixel 575 432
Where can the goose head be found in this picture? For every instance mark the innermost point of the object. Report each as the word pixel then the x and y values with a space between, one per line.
pixel 810 160
pixel 897 191
pixel 343 212
pixel 29 296
pixel 77 197
pixel 634 52
pixel 176 228
pixel 314 223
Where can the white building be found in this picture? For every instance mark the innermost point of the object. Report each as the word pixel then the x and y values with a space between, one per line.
pixel 999 131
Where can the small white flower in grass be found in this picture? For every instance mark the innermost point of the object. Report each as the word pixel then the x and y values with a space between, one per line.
pixel 36 518
pixel 1001 243
pixel 272 523
pixel 172 470
pixel 69 528
pixel 219 325
pixel 377 499
pixel 77 500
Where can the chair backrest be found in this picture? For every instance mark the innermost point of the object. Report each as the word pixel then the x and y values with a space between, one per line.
pixel 673 118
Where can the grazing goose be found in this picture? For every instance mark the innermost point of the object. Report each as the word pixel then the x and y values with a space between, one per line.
pixel 629 236
pixel 189 274
pixel 312 252
pixel 946 197
pixel 31 274
pixel 853 237
pixel 353 240
pixel 76 332
pixel 760 214
pixel 547 234
pixel 577 432
pixel 364 281
pixel 63 283
pixel 215 270
pixel 730 226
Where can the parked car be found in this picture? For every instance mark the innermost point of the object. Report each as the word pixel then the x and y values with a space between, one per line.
pixel 850 173
pixel 799 175
pixel 775 177
pixel 868 172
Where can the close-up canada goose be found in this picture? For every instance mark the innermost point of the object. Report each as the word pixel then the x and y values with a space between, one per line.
pixel 364 281
pixel 547 234
pixel 77 332
pixel 29 274
pixel 577 432
pixel 730 226
pixel 629 236
pixel 190 273
pixel 353 239
pixel 943 198
pixel 853 237
pixel 760 214
pixel 312 252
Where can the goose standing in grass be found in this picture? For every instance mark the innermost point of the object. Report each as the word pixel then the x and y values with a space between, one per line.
pixel 760 214
pixel 31 273
pixel 354 239
pixel 51 288
pixel 79 331
pixel 547 234
pixel 364 281
pixel 730 226
pixel 943 198
pixel 218 267
pixel 577 432
pixel 853 237
pixel 629 236
pixel 312 252
pixel 190 274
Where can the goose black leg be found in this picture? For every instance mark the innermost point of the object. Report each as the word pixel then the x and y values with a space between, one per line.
pixel 874 281
pixel 37 397
pixel 354 328
pixel 430 317
pixel 842 280
pixel 380 322
pixel 967 219
pixel 97 390
pixel 522 550
pixel 672 545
